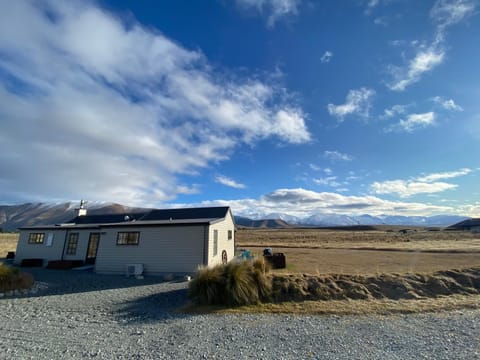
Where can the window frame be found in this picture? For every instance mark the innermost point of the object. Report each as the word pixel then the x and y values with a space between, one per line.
pixel 126 238
pixel 229 234
pixel 215 242
pixel 36 238
pixel 72 243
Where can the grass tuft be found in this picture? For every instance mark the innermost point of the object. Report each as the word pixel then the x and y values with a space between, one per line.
pixel 234 284
pixel 12 279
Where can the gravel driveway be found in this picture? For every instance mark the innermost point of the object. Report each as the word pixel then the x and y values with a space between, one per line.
pixel 83 315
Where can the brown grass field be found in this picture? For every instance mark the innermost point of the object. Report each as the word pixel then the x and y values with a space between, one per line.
pixel 8 242
pixel 319 251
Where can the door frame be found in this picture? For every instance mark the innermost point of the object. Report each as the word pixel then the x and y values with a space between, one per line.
pixel 91 260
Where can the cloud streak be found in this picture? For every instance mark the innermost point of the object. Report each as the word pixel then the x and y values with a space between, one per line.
pixel 224 180
pixel 444 14
pixel 447 104
pixel 326 57
pixel 413 122
pixel 426 184
pixel 358 102
pixel 302 202
pixel 95 107
pixel 334 155
pixel 274 10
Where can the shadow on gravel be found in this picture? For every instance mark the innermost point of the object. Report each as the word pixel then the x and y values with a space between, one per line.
pixel 153 308
pixel 60 282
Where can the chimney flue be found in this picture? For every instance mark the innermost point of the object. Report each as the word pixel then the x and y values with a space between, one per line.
pixel 82 210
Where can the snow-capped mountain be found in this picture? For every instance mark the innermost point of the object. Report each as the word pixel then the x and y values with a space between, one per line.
pixel 14 216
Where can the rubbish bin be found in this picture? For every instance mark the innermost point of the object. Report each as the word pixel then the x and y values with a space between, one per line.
pixel 279 261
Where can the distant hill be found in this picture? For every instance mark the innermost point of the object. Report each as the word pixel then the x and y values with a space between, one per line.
pixel 31 214
pixel 14 216
pixel 264 223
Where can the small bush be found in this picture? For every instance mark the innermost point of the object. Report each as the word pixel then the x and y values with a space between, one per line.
pixel 234 284
pixel 12 279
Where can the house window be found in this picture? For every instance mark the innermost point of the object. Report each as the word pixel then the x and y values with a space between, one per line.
pixel 36 238
pixel 128 238
pixel 72 243
pixel 230 235
pixel 215 242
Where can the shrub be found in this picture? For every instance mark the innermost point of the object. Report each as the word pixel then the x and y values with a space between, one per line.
pixel 234 284
pixel 12 279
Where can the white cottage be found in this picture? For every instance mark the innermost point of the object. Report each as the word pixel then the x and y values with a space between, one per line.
pixel 170 241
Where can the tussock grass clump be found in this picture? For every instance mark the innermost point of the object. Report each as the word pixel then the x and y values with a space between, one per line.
pixel 12 279
pixel 234 284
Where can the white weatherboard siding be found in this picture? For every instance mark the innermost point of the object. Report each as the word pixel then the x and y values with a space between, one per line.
pixel 53 237
pixel 162 249
pixel 223 243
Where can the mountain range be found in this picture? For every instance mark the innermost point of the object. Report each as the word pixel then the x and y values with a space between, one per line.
pixel 30 214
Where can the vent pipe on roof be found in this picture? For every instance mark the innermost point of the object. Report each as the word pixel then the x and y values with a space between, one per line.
pixel 82 210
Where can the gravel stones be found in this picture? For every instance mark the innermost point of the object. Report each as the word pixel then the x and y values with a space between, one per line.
pixel 80 315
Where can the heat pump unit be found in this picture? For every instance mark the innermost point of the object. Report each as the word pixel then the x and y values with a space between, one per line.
pixel 134 269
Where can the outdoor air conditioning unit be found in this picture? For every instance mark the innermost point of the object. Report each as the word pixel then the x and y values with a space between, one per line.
pixel 134 270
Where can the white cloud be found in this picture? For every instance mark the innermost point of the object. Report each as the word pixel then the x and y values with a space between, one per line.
pixel 275 10
pixel 370 5
pixel 358 102
pixel 382 20
pixel 426 184
pixel 336 156
pixel 395 110
pixel 408 188
pixel 100 109
pixel 326 57
pixel 328 181
pixel 444 13
pixel 301 202
pixel 224 180
pixel 329 171
pixel 315 167
pixel 413 122
pixel 447 104
pixel 445 175
pixel 449 12
pixel 424 61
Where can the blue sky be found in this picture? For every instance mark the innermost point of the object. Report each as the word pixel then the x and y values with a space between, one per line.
pixel 269 106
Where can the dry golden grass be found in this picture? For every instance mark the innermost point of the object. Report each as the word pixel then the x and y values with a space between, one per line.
pixel 8 242
pixel 358 307
pixel 420 240
pixel 318 251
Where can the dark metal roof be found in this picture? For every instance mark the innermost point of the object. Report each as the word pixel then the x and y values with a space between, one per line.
pixel 156 217
pixel 107 218
pixel 187 213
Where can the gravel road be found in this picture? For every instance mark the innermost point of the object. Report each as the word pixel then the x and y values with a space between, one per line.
pixel 83 315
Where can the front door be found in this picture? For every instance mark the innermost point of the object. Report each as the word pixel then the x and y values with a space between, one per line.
pixel 92 248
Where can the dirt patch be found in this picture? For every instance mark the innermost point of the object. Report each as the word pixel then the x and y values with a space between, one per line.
pixel 384 286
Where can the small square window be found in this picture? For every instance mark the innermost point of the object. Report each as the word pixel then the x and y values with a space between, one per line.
pixel 36 238
pixel 128 238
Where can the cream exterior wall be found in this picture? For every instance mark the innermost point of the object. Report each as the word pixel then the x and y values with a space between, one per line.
pixel 223 242
pixel 161 249
pixel 40 251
